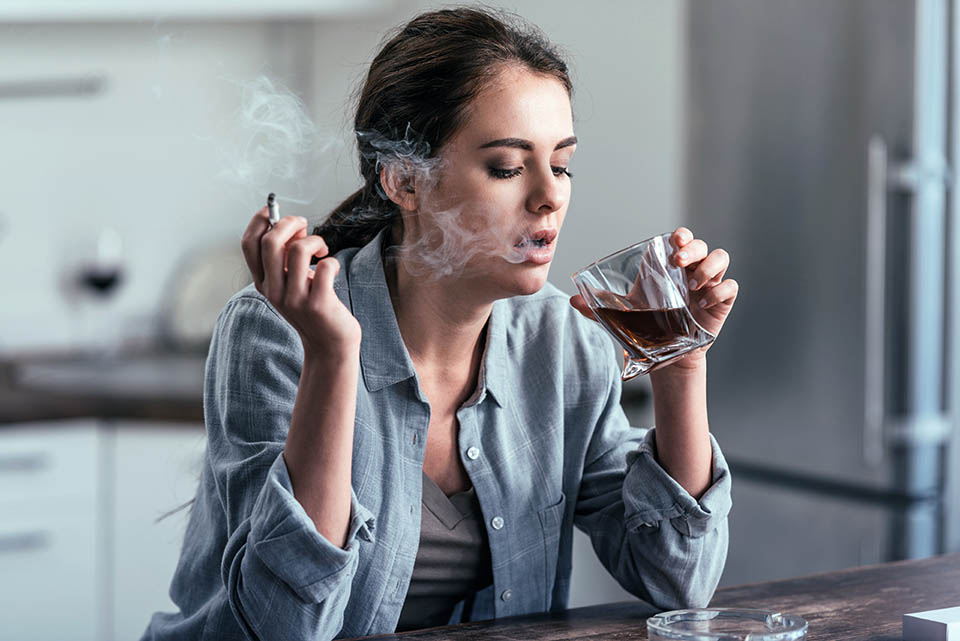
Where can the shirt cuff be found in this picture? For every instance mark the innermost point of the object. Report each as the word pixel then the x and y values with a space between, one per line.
pixel 286 539
pixel 651 495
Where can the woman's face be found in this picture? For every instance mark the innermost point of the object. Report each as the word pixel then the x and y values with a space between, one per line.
pixel 492 212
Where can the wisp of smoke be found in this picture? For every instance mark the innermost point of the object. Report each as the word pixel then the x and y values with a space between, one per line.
pixel 275 142
pixel 449 242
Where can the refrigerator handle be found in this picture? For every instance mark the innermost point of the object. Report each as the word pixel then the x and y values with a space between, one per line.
pixel 874 318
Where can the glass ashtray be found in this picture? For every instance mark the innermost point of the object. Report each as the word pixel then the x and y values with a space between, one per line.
pixel 725 624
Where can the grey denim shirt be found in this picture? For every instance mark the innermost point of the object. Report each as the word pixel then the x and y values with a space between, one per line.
pixel 544 441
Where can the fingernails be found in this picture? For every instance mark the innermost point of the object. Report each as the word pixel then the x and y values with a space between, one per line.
pixel 682 256
pixel 693 284
pixel 302 219
pixel 703 302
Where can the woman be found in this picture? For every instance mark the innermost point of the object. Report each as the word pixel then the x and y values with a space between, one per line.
pixel 405 434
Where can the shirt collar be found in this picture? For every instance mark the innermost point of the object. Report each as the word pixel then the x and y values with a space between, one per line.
pixel 384 359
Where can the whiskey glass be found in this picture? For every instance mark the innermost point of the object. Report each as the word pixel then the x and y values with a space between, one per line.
pixel 641 298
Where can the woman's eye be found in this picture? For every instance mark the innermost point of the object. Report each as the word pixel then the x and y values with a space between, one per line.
pixel 496 172
pixel 504 173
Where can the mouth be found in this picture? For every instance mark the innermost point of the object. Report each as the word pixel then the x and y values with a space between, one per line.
pixel 538 239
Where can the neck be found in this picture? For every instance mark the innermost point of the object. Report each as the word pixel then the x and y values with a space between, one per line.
pixel 441 323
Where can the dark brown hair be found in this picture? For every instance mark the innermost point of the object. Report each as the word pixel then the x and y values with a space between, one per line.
pixel 416 93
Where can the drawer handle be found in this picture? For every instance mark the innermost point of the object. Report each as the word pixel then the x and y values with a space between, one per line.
pixel 24 463
pixel 76 86
pixel 24 541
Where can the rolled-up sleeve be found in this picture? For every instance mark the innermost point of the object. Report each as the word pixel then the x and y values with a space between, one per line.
pixel 659 542
pixel 652 496
pixel 288 544
pixel 283 579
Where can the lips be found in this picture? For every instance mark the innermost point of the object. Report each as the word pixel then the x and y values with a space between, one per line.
pixel 539 238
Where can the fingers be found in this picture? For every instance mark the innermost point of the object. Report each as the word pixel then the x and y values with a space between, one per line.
pixel 710 271
pixel 273 252
pixel 681 237
pixel 299 273
pixel 723 294
pixel 692 252
pixel 250 243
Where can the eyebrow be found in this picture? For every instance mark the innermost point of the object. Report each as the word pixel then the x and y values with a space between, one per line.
pixel 526 145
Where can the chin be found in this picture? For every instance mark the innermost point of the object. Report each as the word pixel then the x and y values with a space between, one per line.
pixel 530 281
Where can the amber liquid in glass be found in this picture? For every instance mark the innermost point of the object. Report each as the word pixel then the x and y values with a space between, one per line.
pixel 648 329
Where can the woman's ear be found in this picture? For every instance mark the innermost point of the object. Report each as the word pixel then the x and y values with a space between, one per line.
pixel 397 183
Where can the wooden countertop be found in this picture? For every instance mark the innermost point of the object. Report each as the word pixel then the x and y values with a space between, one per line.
pixel 859 604
pixel 174 391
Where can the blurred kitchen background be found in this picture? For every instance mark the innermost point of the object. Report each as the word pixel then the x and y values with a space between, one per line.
pixel 813 139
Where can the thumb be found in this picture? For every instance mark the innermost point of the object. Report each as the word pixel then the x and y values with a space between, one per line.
pixel 581 306
pixel 325 271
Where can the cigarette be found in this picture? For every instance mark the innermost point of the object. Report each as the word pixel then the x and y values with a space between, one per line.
pixel 274 208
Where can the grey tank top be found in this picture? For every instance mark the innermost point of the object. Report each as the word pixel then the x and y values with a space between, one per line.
pixel 453 560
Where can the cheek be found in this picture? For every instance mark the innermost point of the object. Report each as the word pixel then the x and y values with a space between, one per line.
pixel 453 188
pixel 562 212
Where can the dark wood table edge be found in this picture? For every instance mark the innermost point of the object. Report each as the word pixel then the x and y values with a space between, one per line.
pixel 606 609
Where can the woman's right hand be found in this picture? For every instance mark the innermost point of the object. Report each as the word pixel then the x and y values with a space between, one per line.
pixel 279 260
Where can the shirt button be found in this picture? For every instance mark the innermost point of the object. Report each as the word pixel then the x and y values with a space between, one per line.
pixel 473 453
pixel 506 595
pixel 496 522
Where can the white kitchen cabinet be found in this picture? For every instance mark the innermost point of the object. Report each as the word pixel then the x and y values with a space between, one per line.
pixel 155 468
pixel 48 460
pixel 51 557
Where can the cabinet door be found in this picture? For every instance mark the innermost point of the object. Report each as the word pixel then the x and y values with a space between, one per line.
pixel 48 460
pixel 156 469
pixel 52 586
pixel 48 564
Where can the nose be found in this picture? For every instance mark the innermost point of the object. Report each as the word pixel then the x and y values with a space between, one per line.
pixel 548 193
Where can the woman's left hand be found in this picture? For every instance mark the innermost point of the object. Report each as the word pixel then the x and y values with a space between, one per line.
pixel 711 296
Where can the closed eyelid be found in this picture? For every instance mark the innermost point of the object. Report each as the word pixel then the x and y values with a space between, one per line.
pixel 503 160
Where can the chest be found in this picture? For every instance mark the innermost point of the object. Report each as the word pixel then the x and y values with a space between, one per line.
pixel 441 460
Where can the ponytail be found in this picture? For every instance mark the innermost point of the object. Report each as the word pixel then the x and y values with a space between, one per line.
pixel 356 221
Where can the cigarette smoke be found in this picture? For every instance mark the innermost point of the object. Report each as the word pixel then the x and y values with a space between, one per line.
pixel 274 145
pixel 451 241
pixel 279 149
pixel 440 241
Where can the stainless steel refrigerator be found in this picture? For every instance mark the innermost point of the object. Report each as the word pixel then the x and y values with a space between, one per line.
pixel 817 155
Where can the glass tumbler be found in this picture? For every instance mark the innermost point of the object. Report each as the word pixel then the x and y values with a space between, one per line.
pixel 641 298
